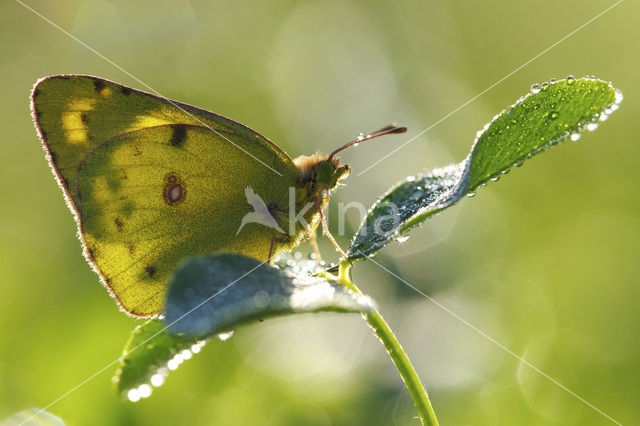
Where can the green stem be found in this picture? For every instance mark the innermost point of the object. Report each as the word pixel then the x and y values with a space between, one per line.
pixel 385 334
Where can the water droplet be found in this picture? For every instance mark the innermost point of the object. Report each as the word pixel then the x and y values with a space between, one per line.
pixel 195 349
pixel 144 391
pixel 619 97
pixel 518 164
pixel 186 354
pixel 544 86
pixel 261 299
pixel 402 238
pixel 172 364
pixel 552 81
pixel 571 79
pixel 225 336
pixel 471 194
pixel 575 136
pixel 356 144
pixel 592 126
pixel 133 395
pixel 157 380
pixel 535 88
pixel 553 115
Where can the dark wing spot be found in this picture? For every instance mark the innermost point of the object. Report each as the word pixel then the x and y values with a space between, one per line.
pixel 174 194
pixel 178 136
pixel 174 191
pixel 150 270
pixel 119 224
pixel 136 151
pixel 98 85
pixel 91 251
pixel 125 91
pixel 171 178
pixel 84 117
pixel 131 247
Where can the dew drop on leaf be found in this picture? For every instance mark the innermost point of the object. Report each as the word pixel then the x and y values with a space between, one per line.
pixel 144 391
pixel 225 336
pixel 133 395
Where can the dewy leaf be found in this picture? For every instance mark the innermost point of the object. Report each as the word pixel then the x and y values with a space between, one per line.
pixel 149 355
pixel 549 114
pixel 33 417
pixel 217 293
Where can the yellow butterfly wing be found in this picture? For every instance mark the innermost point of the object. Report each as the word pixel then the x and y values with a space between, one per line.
pixel 150 185
pixel 76 113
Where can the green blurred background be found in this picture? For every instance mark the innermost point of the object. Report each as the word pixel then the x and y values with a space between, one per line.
pixel 544 261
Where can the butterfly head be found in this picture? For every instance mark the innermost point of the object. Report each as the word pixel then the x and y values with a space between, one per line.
pixel 328 170
pixel 321 169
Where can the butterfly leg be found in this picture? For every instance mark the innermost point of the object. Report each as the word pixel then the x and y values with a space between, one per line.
pixel 314 243
pixel 326 230
pixel 274 240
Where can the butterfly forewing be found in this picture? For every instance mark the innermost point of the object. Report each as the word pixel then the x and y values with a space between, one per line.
pixel 150 185
pixel 75 114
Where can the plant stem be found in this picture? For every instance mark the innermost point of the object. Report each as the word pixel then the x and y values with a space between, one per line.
pixel 398 356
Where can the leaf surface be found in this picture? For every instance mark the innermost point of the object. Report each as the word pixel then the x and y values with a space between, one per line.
pixel 549 114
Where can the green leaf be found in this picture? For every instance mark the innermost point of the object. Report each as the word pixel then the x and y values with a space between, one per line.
pixel 217 293
pixel 549 114
pixel 149 355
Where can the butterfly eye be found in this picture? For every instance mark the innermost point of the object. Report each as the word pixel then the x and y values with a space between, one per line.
pixel 324 172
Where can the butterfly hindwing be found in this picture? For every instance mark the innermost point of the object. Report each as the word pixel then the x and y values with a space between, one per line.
pixel 146 203
pixel 150 185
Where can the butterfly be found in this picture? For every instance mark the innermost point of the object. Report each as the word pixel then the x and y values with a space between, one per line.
pixel 153 181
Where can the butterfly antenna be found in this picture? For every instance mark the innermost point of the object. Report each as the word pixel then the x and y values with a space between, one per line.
pixel 387 130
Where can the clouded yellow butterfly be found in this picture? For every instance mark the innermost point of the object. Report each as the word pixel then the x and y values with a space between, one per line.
pixel 152 181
